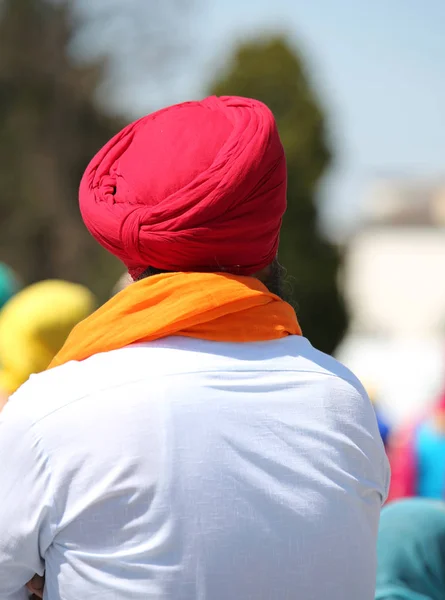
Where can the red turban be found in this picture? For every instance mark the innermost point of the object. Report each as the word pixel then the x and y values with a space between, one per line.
pixel 200 186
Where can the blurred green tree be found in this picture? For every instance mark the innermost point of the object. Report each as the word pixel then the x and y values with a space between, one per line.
pixel 271 71
pixel 50 126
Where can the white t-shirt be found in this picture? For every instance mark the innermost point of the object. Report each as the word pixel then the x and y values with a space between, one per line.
pixel 192 470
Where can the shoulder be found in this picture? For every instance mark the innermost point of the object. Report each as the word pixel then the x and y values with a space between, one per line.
pixel 53 391
pixel 336 375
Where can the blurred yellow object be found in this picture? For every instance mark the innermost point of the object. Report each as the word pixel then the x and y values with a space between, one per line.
pixel 34 325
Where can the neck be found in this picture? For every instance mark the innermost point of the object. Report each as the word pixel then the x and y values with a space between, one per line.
pixel 273 277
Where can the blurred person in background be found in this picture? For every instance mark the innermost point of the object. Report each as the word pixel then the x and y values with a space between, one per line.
pixel 383 425
pixel 9 284
pixel 417 456
pixel 187 441
pixel 382 422
pixel 411 551
pixel 33 327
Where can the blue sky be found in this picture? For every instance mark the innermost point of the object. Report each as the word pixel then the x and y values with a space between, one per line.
pixel 379 68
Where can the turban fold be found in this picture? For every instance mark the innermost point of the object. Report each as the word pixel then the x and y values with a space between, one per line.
pixel 196 186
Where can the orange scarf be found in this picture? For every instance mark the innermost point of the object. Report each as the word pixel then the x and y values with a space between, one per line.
pixel 208 306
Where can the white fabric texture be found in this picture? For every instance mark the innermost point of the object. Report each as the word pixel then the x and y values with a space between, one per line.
pixel 191 470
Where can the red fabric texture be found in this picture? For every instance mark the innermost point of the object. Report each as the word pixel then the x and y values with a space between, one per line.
pixel 196 186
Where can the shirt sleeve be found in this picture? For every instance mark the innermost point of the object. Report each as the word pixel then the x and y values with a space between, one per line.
pixel 25 503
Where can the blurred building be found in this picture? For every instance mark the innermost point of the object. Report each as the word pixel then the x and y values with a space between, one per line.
pixel 394 283
pixel 403 203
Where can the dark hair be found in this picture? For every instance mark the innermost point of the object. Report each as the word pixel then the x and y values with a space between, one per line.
pixel 149 272
pixel 276 281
